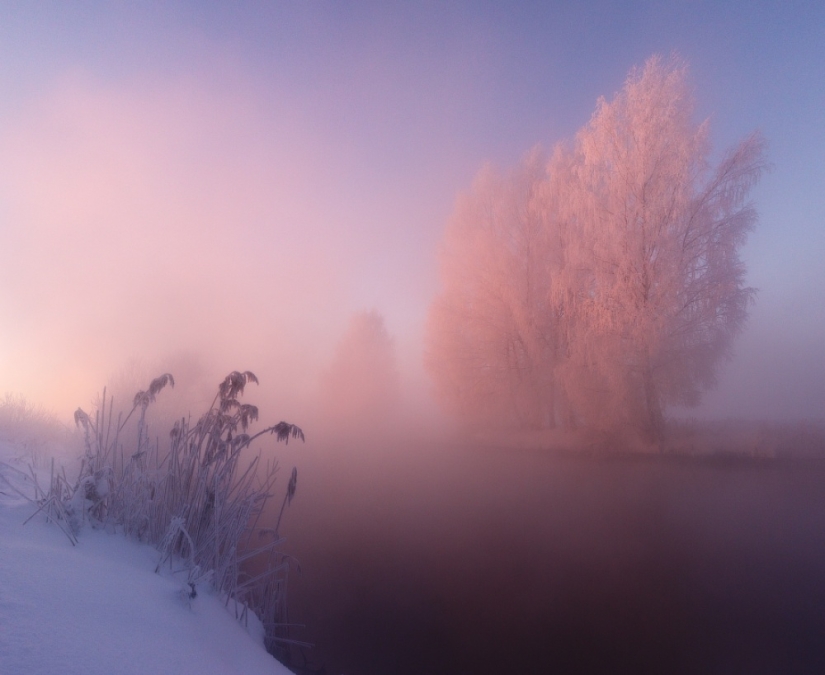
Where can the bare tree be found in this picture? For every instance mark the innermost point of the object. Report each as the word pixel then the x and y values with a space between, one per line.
pixel 603 287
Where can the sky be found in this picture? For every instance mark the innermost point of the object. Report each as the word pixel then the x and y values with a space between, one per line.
pixel 235 180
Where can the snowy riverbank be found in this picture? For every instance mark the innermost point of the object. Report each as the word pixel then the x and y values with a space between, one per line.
pixel 98 608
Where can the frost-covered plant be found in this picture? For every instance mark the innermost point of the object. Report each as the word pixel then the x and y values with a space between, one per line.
pixel 597 288
pixel 196 501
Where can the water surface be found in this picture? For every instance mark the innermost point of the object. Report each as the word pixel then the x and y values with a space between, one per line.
pixel 423 558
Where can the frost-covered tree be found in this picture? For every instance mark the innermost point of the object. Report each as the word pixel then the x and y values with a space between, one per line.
pixel 362 384
pixel 600 288
pixel 659 233
pixel 490 334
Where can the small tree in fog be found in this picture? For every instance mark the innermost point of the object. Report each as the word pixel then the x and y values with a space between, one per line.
pixel 605 286
pixel 362 383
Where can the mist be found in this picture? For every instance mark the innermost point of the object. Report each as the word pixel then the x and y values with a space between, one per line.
pixel 163 183
pixel 136 216
pixel 445 558
pixel 200 191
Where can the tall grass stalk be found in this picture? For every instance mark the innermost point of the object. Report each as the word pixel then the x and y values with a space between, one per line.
pixel 194 500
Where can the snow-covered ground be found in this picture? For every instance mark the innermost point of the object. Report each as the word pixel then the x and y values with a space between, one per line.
pixel 98 608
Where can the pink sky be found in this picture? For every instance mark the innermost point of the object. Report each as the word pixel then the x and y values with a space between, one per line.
pixel 155 217
pixel 237 183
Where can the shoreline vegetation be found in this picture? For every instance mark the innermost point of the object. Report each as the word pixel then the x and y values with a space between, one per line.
pixel 685 438
pixel 196 497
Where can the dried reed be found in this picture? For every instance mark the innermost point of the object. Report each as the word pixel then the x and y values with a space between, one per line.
pixel 197 502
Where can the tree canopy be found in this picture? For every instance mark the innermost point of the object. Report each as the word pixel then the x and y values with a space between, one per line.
pixel 604 284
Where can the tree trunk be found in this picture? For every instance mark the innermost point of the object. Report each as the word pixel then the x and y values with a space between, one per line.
pixel 654 422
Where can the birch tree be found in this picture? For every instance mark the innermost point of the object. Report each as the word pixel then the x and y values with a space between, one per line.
pixel 490 345
pixel 659 233
pixel 601 287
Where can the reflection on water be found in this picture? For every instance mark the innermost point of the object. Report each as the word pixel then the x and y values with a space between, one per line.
pixel 466 560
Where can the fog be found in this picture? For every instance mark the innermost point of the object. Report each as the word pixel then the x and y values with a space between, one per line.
pixel 199 192
pixel 151 221
pixel 167 177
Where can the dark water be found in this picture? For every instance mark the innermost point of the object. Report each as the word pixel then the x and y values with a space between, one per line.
pixel 471 560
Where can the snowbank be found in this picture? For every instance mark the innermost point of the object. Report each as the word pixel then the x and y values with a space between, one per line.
pixel 99 608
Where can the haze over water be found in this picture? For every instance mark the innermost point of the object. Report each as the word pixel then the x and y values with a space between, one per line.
pixel 427 557
pixel 202 189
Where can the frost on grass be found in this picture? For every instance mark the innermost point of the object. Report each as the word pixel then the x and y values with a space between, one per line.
pixel 197 498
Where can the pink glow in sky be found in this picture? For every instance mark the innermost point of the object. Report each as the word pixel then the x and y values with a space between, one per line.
pixel 237 182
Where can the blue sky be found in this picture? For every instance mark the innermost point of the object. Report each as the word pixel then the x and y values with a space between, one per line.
pixel 169 165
